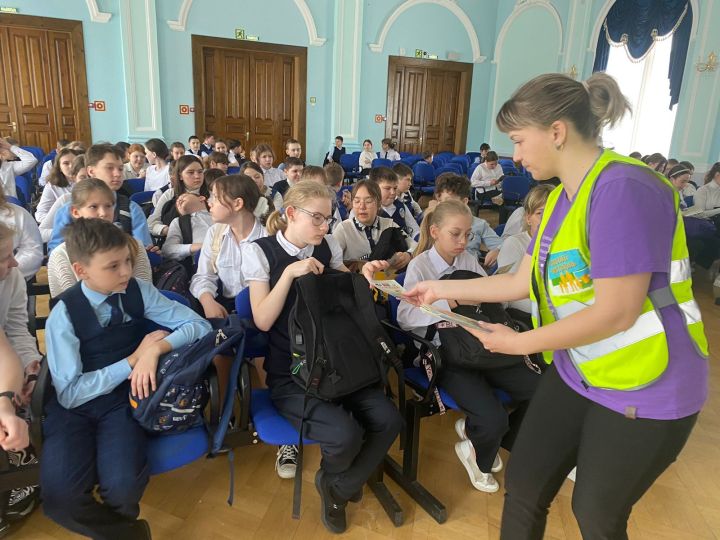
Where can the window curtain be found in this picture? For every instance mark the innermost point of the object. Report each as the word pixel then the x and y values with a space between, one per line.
pixel 637 24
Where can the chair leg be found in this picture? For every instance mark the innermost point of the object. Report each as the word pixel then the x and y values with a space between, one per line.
pixel 388 502
pixel 406 476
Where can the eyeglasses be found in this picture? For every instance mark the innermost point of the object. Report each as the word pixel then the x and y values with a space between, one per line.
pixel 458 237
pixel 367 202
pixel 317 218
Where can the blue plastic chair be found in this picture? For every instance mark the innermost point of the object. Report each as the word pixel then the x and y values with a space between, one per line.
pixel 155 261
pixel 690 201
pixel 472 168
pixel 472 156
pixel 36 151
pixel 381 162
pixel 446 169
pixel 351 165
pixel 514 190
pixel 23 186
pixel 142 197
pixel 462 161
pixel 233 170
pixel 404 155
pixel 508 167
pixel 500 229
pixel 14 200
pixel 135 185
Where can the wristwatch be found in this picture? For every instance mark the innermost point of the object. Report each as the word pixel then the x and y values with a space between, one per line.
pixel 12 396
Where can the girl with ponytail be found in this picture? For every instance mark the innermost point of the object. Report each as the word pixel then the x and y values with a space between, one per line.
pixel 445 233
pixel 609 278
pixel 235 206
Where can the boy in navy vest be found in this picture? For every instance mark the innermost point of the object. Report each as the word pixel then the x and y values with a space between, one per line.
pixel 99 349
pixel 391 206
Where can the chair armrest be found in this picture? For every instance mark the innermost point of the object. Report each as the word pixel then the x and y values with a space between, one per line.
pixel 435 358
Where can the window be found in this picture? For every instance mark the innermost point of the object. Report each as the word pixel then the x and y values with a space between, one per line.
pixel 649 129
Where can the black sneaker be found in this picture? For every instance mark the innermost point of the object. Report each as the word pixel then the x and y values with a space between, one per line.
pixel 286 462
pixel 357 497
pixel 143 529
pixel 22 502
pixel 332 511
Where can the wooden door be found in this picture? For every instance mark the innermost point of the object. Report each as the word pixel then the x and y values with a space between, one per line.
pixel 428 104
pixel 44 95
pixel 250 91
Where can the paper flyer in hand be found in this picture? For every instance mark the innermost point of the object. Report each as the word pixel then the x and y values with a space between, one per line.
pixel 393 288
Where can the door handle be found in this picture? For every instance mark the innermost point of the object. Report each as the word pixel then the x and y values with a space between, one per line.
pixel 13 125
pixel 247 137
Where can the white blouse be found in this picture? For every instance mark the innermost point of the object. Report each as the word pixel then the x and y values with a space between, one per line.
pixel 46 225
pixel 61 275
pixel 10 169
pixel 228 264
pixel 426 266
pixel 27 242
pixel 272 176
pixel 156 178
pixel 174 247
pixel 50 194
pixel 512 252
pixel 255 266
pixel 14 317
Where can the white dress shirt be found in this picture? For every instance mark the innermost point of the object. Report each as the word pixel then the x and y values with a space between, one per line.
pixel 174 247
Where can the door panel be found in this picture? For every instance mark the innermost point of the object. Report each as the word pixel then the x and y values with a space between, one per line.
pixel 236 96
pixel 43 96
pixel 427 104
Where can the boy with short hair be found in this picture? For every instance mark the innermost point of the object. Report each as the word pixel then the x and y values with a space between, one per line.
pixel 104 161
pixel 206 148
pixel 293 170
pixel 427 157
pixel 391 206
pixel 293 148
pixel 217 160
pixel 453 186
pixel 193 146
pixel 484 149
pixel 335 175
pixel 405 176
pixel 177 150
pixel 98 352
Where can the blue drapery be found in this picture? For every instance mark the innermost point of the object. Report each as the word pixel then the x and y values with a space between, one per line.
pixel 636 24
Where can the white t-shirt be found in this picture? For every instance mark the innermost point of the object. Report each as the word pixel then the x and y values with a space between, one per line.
pixel 156 178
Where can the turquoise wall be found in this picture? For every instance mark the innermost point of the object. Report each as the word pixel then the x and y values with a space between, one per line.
pixel 517 39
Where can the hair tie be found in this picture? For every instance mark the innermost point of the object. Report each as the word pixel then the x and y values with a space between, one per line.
pixel 261 207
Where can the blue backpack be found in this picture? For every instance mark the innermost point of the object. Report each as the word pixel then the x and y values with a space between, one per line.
pixel 182 386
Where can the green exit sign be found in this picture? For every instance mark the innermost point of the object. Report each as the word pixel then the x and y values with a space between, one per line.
pixel 239 33
pixel 4 9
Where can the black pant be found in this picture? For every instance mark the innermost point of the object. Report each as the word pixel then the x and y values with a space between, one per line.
pixel 617 460
pixel 354 433
pixel 487 419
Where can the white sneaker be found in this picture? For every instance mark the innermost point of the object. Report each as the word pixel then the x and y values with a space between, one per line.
pixel 286 462
pixel 460 430
pixel 481 481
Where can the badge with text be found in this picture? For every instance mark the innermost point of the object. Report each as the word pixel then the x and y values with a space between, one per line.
pixel 568 273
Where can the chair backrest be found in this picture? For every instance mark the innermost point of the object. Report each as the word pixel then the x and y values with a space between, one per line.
pixel 36 151
pixel 135 185
pixel 445 169
pixel 349 162
pixel 457 167
pixel 462 161
pixel 14 200
pixel 233 170
pixel 508 167
pixel 381 162
pixel 515 188
pixel 142 197
pixel 404 155
pixel 472 156
pixel 242 304
pixel 446 153
pixel 172 295
pixel 440 160
pixel 23 186
pixel 423 172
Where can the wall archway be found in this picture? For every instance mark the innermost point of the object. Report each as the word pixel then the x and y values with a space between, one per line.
pixel 447 4
pixel 181 23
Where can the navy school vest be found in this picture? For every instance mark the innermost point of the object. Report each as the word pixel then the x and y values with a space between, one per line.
pixel 277 364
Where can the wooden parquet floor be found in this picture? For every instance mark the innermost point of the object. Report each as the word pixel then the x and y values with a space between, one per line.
pixel 190 503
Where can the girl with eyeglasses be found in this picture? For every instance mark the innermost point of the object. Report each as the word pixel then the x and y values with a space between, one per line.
pixel 364 236
pixel 445 233
pixel 354 433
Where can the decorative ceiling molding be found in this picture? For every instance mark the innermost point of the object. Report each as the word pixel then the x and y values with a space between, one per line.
pixel 450 5
pixel 181 23
pixel 95 14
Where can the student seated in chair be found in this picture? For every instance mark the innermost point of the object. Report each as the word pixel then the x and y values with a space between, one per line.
pixel 99 351
pixel 446 232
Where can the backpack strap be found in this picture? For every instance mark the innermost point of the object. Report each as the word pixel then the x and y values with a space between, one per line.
pixel 122 212
pixel 185 223
pixel 215 245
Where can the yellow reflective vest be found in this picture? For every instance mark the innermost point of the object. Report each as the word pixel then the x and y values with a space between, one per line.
pixel 628 360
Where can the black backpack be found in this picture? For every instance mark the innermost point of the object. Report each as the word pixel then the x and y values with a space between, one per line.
pixel 123 217
pixel 338 344
pixel 461 350
pixel 391 241
pixel 182 387
pixel 173 275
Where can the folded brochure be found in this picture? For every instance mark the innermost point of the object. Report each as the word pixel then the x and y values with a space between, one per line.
pixel 393 288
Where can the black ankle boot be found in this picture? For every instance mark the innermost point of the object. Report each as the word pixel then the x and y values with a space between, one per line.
pixel 332 510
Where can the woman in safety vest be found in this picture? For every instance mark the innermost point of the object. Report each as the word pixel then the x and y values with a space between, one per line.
pixel 609 283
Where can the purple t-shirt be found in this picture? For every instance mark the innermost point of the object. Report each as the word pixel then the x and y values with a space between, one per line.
pixel 632 218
